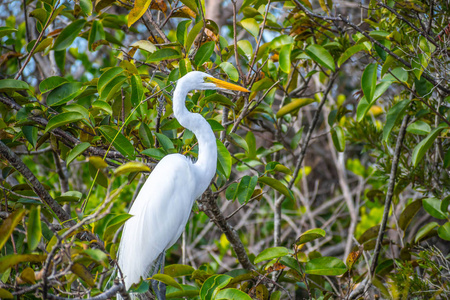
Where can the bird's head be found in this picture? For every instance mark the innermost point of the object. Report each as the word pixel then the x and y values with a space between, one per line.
pixel 202 81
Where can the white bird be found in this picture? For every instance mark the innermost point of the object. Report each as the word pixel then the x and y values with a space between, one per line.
pixel 163 205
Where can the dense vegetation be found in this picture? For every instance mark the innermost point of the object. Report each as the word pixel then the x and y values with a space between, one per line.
pixel 332 174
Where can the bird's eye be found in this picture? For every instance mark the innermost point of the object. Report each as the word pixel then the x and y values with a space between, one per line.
pixel 207 79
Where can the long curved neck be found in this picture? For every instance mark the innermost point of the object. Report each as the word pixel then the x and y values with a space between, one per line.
pixel 205 166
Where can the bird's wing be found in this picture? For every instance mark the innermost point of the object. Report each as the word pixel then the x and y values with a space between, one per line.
pixel 160 213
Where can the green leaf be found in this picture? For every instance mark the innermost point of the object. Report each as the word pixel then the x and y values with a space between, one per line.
pixel 63 119
pixel 177 270
pixel 326 266
pixel 129 167
pixel 97 255
pixel 51 83
pixel 350 52
pixel 5 294
pixel 31 134
pixel 112 88
pixel 182 30
pixel 433 207
pixel 294 105
pixel 137 90
pixel 444 231
pixel 285 58
pixel 223 159
pixel 420 150
pixel 239 141
pixel 145 134
pixel 107 77
pixel 277 185
pixel 86 7
pixel 64 93
pixel 77 150
pixel 102 105
pixel 230 70
pixel 369 81
pixel 9 261
pixel 157 154
pixel 95 34
pixel 163 54
pixel 120 142
pixel 310 235
pixel 213 285
pixel 321 56
pixel 164 141
pixel 245 188
pixel 251 142
pixel 251 26
pixel 192 35
pixel 83 273
pixel 393 116
pixel 230 193
pixel 5 30
pixel 70 196
pixel 192 4
pixel 425 231
pixel 34 230
pixel 13 85
pixel 232 294
pixel 364 105
pixel 419 127
pixel 167 280
pixel 68 35
pixel 338 137
pixel 408 214
pixel 219 98
pixel 204 53
pixel 271 253
pixel 113 225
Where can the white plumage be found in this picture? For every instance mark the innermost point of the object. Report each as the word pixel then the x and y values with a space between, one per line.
pixel 162 208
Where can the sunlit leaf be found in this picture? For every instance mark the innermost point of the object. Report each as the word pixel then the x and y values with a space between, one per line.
pixel 276 184
pixel 321 56
pixel 132 166
pixel 139 9
pixel 76 151
pixel 294 105
pixel 9 261
pixel 310 235
pixel 328 266
pixel 271 253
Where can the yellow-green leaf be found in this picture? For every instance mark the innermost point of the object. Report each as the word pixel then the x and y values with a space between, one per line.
pixel 139 9
pixel 295 104
pixel 133 166
pixel 8 225
pixel 9 261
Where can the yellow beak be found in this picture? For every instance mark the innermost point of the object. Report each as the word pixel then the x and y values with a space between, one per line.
pixel 226 85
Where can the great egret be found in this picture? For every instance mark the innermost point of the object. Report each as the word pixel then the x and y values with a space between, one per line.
pixel 163 205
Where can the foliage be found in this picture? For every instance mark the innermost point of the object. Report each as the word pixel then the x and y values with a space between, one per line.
pixel 343 120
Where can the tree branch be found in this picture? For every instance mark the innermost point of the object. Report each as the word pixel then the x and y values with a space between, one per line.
pixel 209 206
pixel 390 192
pixel 108 294
pixel 35 184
